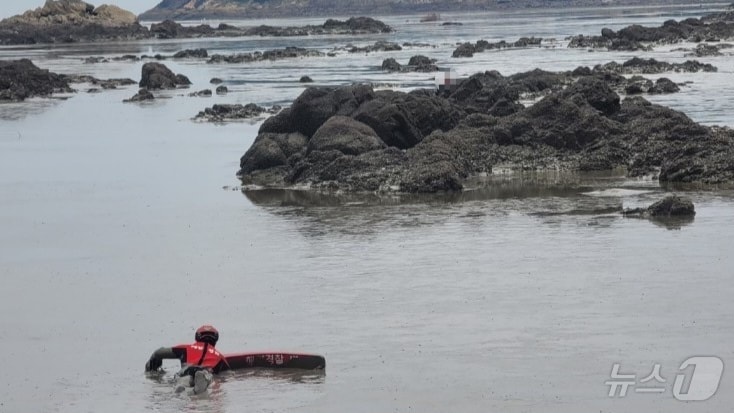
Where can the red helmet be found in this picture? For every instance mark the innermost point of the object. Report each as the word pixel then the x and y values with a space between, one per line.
pixel 207 334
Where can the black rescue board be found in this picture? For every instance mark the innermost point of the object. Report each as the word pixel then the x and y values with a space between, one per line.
pixel 277 360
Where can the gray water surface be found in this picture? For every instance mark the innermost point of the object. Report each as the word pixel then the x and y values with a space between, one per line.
pixel 123 229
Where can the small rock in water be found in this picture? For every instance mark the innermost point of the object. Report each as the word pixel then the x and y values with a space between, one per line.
pixel 158 76
pixel 189 53
pixel 305 79
pixel 222 90
pixel 216 81
pixel 224 112
pixel 672 205
pixel 142 95
pixel 202 93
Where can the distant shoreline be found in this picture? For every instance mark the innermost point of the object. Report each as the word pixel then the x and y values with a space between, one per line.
pixel 154 15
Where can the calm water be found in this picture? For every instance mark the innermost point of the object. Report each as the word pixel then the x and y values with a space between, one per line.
pixel 121 233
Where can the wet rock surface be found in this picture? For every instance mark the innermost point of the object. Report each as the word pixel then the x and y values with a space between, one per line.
pixel 638 65
pixel 670 206
pixel 103 83
pixel 205 93
pixel 418 63
pixel 468 49
pixel 269 55
pixel 233 112
pixel 169 29
pixel 158 76
pixel 379 46
pixel 21 79
pixel 142 96
pixel 428 141
pixel 71 21
pixel 192 54
pixel 635 37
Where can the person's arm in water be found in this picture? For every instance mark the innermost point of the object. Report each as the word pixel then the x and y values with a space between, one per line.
pixel 156 359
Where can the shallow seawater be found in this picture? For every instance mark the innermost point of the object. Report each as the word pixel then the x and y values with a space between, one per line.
pixel 124 229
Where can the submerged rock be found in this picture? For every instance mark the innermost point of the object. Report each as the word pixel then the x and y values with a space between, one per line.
pixel 141 96
pixel 202 93
pixel 21 79
pixel 418 63
pixel 670 206
pixel 379 46
pixel 468 49
pixel 268 55
pixel 222 112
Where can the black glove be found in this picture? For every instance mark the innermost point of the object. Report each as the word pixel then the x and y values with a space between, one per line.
pixel 153 364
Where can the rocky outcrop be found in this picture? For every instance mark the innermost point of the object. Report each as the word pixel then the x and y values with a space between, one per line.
pixel 418 63
pixel 269 55
pixel 379 46
pixel 635 37
pixel 224 113
pixel 468 49
pixel 69 21
pixel 21 79
pixel 169 29
pixel 158 76
pixel 191 54
pixel 103 83
pixel 670 206
pixel 391 65
pixel 638 65
pixel 356 139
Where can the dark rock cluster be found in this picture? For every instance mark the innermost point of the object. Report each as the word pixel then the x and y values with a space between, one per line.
pixel 353 138
pixel 468 49
pixel 158 76
pixel 21 79
pixel 670 206
pixel 168 29
pixel 418 63
pixel 142 96
pixel 638 65
pixel 71 21
pixel 191 54
pixel 379 46
pixel 223 113
pixel 635 37
pixel 276 54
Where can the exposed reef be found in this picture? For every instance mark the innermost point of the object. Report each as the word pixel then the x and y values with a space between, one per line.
pixel 353 138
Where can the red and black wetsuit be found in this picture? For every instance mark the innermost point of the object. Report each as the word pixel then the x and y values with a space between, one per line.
pixel 192 356
pixel 202 355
